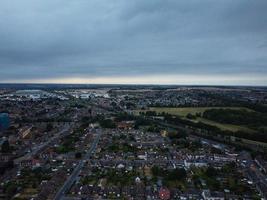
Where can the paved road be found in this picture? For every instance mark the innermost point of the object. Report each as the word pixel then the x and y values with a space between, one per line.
pixel 71 179
pixel 38 148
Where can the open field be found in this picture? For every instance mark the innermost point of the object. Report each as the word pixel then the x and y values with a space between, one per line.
pixel 261 144
pixel 183 112
pixel 225 127
pixel 192 110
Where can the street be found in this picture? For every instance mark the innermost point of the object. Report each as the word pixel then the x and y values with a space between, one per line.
pixel 71 179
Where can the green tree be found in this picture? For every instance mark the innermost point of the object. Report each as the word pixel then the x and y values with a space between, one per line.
pixel 49 127
pixel 5 148
pixel 78 155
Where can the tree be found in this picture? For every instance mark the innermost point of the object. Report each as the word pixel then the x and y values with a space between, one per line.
pixel 106 123
pixel 78 155
pixel 177 135
pixel 157 171
pixel 190 116
pixel 49 127
pixel 177 174
pixel 5 148
pixel 211 171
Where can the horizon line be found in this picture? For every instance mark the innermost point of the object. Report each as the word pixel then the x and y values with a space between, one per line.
pixel 136 84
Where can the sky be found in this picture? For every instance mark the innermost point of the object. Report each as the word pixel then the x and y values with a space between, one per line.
pixel 221 42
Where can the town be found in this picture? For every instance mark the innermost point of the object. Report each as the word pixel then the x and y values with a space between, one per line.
pixel 133 142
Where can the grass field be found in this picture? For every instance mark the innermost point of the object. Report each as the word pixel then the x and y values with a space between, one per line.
pixel 226 127
pixel 192 110
pixel 262 144
pixel 183 112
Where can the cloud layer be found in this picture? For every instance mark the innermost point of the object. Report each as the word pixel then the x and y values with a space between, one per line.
pixel 61 40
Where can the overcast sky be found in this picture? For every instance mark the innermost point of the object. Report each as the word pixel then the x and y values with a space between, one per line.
pixel 135 41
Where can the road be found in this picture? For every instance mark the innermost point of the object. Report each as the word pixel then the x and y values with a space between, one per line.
pixel 38 148
pixel 74 175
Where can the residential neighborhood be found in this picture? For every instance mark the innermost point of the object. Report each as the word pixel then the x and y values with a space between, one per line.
pixel 114 144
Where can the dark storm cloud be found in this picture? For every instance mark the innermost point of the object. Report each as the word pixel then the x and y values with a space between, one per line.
pixel 57 39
